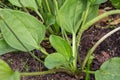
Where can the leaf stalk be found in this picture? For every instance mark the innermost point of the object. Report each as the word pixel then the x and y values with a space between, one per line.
pixel 90 52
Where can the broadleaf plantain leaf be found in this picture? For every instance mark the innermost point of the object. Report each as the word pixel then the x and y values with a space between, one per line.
pixel 61 46
pixel 54 60
pixel 5 48
pixel 21 30
pixel 110 70
pixel 6 73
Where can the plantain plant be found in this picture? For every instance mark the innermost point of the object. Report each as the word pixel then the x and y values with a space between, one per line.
pixel 21 31
pixel 46 10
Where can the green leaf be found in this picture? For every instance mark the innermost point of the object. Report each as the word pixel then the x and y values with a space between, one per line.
pixel 61 46
pixel 21 30
pixel 6 73
pixel 5 48
pixel 100 1
pixel 32 4
pixel 54 60
pixel 69 15
pixel 26 3
pixel 14 76
pixel 110 70
pixel 116 3
pixel 93 12
pixel 5 70
pixel 60 2
pixel 50 20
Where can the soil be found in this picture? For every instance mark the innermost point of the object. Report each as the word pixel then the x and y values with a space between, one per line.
pixel 109 48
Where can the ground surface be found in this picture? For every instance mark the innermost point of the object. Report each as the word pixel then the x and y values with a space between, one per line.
pixel 108 49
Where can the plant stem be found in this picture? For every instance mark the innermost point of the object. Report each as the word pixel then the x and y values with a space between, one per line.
pixel 90 72
pixel 56 5
pixel 52 71
pixel 85 14
pixel 74 51
pixel 87 25
pixel 87 77
pixel 102 16
pixel 35 57
pixel 47 4
pixel 43 50
pixel 38 73
pixel 40 16
pixel 38 12
pixel 90 52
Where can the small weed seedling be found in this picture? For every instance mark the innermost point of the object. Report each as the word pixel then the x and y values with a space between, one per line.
pixel 20 31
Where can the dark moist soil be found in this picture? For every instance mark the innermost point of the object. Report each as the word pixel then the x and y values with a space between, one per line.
pixel 109 48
